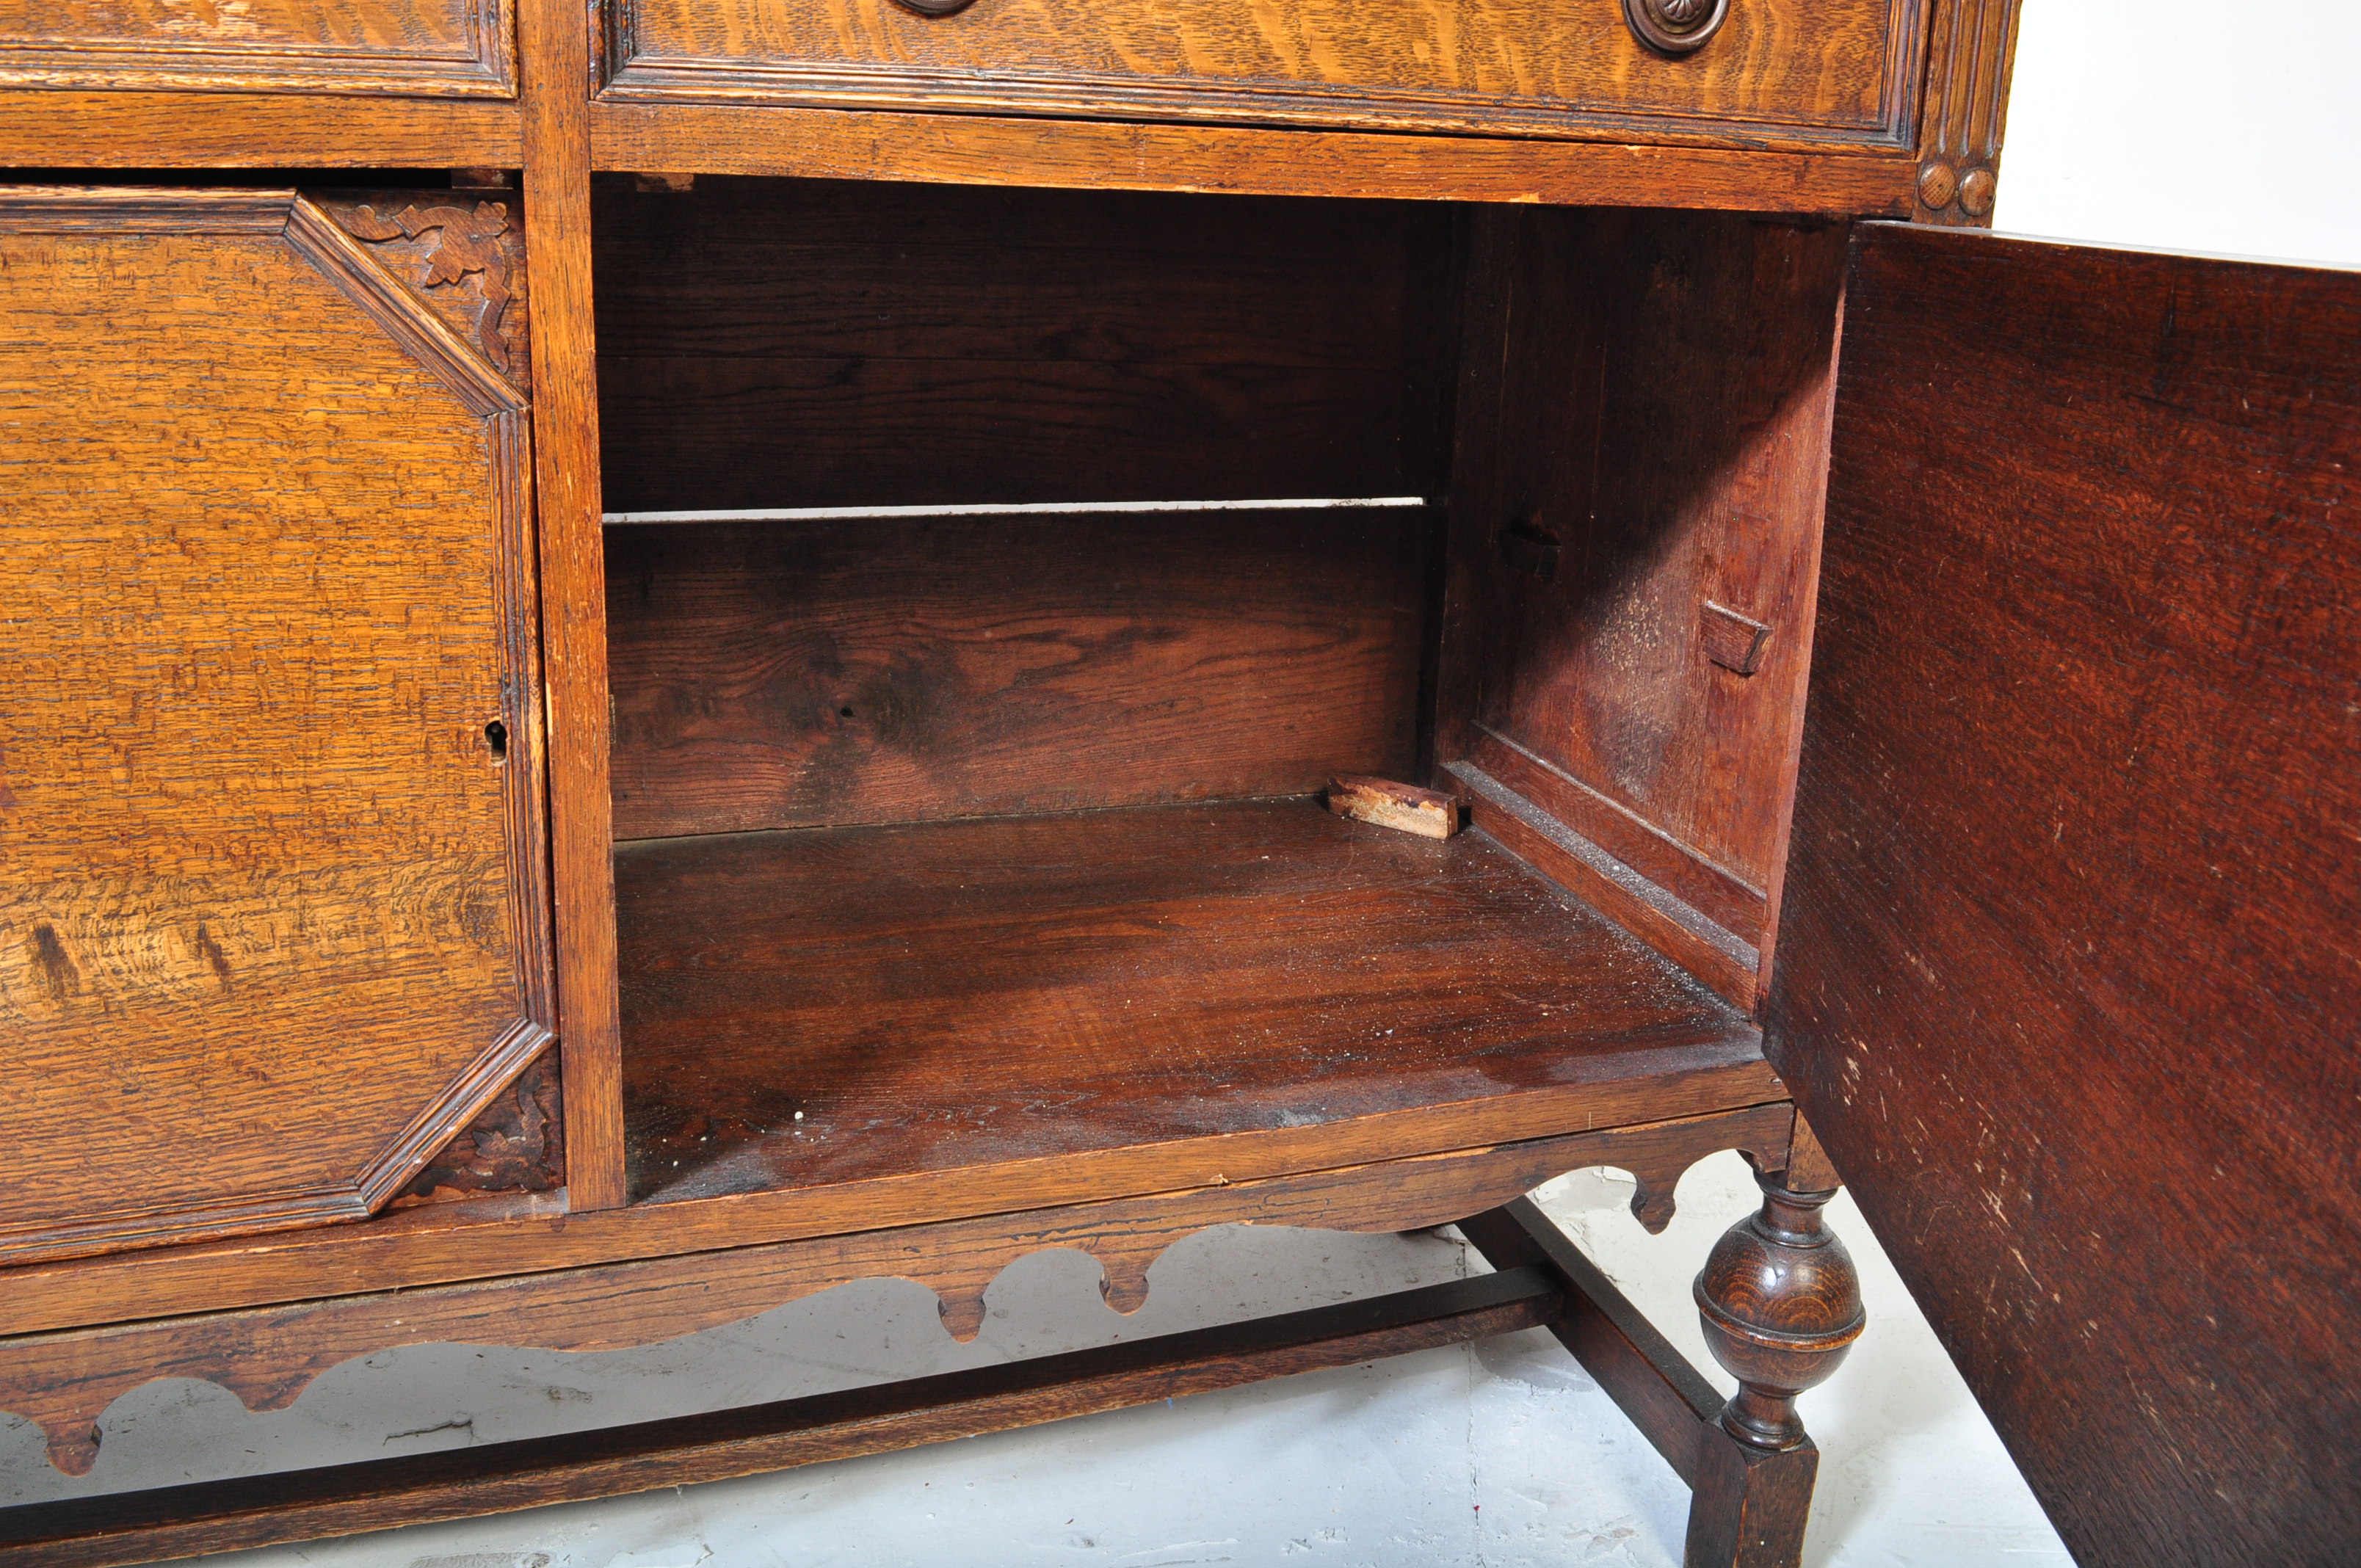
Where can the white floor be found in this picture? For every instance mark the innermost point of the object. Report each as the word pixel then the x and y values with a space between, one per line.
pixel 1500 1454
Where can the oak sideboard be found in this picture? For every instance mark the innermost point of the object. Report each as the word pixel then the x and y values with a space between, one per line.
pixel 658 656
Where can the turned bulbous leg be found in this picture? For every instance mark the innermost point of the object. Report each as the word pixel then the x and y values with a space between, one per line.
pixel 1781 1306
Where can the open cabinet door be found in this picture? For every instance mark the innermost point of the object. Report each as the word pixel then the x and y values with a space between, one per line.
pixel 2068 961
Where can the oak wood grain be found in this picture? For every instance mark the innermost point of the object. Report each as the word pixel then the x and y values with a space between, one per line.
pixel 145 129
pixel 775 343
pixel 66 1382
pixel 553 38
pixel 258 850
pixel 441 48
pixel 775 674
pixel 968 150
pixel 492 1237
pixel 1835 74
pixel 825 1006
pixel 344 1499
pixel 1650 391
pixel 2067 974
pixel 1972 51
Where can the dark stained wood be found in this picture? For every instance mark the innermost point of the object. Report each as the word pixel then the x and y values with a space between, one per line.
pixel 1835 76
pixel 347 1499
pixel 831 1005
pixel 776 675
pixel 740 267
pixel 1781 1305
pixel 1650 391
pixel 147 129
pixel 918 345
pixel 966 149
pixel 1751 1501
pixel 256 851
pixel 1642 907
pixel 711 434
pixel 488 1237
pixel 1750 1504
pixel 2067 974
pixel 1971 50
pixel 516 1144
pixel 65 1383
pixel 554 45
pixel 417 48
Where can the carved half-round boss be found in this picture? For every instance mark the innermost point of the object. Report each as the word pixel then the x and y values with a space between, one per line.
pixel 1674 27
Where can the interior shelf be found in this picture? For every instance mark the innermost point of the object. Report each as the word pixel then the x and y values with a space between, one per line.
pixel 827 1006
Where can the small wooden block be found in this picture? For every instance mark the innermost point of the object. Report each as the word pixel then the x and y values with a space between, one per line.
pixel 1732 640
pixel 1390 805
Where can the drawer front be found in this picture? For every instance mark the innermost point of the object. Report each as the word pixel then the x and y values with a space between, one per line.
pixel 273 911
pixel 1801 72
pixel 450 48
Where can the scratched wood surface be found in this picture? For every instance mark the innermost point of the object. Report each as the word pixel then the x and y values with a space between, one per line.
pixel 2067 970
pixel 819 1007
pixel 440 48
pixel 66 1382
pixel 1643 439
pixel 270 924
pixel 1827 74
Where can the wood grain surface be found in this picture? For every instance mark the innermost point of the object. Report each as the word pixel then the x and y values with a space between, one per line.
pixel 1832 75
pixel 775 674
pixel 819 1007
pixel 66 1382
pixel 261 866
pixel 971 150
pixel 145 129
pixel 767 344
pixel 2067 969
pixel 554 36
pixel 1972 51
pixel 455 49
pixel 1648 393
pixel 647 1456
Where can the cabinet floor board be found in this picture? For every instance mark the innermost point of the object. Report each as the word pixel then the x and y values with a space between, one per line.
pixel 832 1006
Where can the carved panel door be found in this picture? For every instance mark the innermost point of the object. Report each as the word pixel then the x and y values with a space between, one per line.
pixel 2069 966
pixel 273 919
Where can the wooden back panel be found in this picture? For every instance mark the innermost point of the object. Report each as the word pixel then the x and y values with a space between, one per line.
pixel 2069 962
pixel 813 343
pixel 273 911
pixel 1642 433
pixel 773 675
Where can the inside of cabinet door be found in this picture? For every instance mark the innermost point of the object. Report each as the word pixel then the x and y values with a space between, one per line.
pixel 997 578
pixel 2068 969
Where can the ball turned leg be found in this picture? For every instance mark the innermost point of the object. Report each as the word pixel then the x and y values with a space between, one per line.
pixel 1781 1306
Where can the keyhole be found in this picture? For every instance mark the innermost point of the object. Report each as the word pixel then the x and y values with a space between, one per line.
pixel 496 736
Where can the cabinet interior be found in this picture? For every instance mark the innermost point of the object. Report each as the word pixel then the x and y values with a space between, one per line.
pixel 984 623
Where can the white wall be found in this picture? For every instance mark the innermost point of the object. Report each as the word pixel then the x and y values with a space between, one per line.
pixel 2221 126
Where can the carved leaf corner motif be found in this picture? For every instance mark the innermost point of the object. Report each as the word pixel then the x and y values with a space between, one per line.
pixel 466 245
